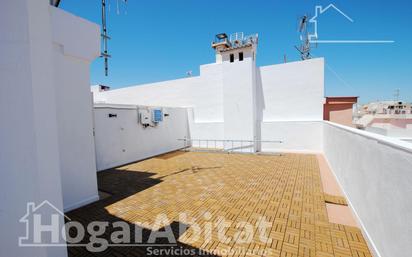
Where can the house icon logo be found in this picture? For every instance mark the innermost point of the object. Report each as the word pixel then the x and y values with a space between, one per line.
pixel 314 37
pixel 44 225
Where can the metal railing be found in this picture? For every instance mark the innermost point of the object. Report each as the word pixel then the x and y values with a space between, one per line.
pixel 225 145
pixel 242 39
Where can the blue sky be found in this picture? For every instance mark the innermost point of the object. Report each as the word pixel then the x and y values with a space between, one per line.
pixel 156 40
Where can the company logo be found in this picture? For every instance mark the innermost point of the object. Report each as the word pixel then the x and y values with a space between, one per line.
pixel 314 37
pixel 46 225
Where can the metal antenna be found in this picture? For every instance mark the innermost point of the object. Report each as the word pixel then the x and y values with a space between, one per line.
pixel 305 47
pixel 396 95
pixel 302 23
pixel 105 37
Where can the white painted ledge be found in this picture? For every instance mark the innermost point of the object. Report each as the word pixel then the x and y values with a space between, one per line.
pixel 393 142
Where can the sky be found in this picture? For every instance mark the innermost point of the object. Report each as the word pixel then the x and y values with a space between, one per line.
pixel 157 40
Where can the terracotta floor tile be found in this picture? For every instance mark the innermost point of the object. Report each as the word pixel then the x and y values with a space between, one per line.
pixel 211 188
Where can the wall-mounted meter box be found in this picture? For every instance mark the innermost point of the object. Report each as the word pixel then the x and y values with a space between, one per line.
pixel 144 117
pixel 157 115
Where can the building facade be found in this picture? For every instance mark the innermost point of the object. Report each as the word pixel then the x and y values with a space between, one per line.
pixel 340 109
pixel 234 99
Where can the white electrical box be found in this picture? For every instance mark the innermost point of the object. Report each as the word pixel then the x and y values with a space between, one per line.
pixel 144 117
pixel 157 115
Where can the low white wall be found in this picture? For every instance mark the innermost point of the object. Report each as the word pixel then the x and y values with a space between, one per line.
pixel 296 136
pixel 123 139
pixel 207 130
pixel 375 173
pixel 380 131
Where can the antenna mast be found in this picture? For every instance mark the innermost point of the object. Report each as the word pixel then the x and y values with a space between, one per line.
pixel 105 37
pixel 305 47
pixel 396 95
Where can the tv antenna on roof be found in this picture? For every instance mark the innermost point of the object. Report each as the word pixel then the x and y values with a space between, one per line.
pixel 305 47
pixel 105 54
pixel 396 95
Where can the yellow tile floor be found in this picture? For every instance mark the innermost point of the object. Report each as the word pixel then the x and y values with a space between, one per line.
pixel 286 190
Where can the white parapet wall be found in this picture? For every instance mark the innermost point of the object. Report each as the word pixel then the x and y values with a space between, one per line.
pixel 29 149
pixel 121 138
pixel 76 43
pixel 375 173
pixel 296 136
pixel 46 136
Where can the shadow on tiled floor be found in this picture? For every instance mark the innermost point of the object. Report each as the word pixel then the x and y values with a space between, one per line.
pixel 120 184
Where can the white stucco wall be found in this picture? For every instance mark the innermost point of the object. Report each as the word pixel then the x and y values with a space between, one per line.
pixel 239 104
pixel 204 93
pixel 296 136
pixel 29 145
pixel 122 139
pixel 377 130
pixel 76 43
pixel 375 173
pixel 231 100
pixel 292 91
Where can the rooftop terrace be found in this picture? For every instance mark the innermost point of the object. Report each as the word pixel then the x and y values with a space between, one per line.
pixel 287 190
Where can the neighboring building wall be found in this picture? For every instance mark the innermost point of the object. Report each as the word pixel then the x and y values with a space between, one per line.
pixel 339 110
pixel 375 173
pixel 341 114
pixel 76 43
pixel 282 93
pixel 122 139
